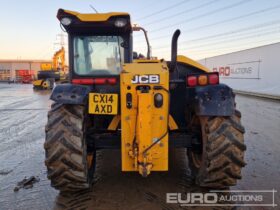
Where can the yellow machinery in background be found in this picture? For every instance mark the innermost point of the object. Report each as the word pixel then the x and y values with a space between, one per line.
pixel 51 73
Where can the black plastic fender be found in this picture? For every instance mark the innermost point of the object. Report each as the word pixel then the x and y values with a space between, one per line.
pixel 70 94
pixel 213 100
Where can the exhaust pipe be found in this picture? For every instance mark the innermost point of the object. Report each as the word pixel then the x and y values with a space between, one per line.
pixel 174 46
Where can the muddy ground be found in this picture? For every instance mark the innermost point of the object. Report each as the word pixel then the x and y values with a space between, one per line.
pixel 23 116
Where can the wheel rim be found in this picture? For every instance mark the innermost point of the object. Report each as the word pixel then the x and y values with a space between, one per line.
pixel 90 161
pixel 197 160
pixel 196 155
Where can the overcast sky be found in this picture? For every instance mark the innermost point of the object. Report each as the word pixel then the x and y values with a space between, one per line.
pixel 29 28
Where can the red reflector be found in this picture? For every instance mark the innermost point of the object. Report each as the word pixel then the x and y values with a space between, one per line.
pixel 213 79
pixel 99 81
pixel 191 81
pixel 82 81
pixel 95 81
pixel 112 81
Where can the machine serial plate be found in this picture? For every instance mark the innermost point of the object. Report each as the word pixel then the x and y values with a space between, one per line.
pixel 103 103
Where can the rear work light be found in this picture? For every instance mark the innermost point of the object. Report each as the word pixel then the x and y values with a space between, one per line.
pixel 66 21
pixel 95 81
pixel 202 79
pixel 121 22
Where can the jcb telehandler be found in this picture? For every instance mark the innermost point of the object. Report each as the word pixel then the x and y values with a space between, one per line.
pixel 140 106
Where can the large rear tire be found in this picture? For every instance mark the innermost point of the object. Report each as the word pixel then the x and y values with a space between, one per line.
pixel 219 162
pixel 70 166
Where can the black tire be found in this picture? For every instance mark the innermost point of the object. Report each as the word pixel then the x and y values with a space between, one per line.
pixel 47 84
pixel 219 162
pixel 70 167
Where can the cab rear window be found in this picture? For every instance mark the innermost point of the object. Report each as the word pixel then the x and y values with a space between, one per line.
pixel 98 55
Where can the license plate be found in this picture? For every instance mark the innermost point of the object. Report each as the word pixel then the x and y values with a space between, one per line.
pixel 103 104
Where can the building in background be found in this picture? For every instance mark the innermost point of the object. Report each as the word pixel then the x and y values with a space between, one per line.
pixel 15 70
pixel 255 70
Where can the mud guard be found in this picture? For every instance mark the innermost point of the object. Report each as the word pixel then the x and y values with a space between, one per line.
pixel 214 100
pixel 70 94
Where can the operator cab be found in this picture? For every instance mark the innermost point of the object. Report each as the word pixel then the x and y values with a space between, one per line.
pixel 99 44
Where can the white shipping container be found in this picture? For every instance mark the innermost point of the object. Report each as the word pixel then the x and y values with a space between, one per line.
pixel 255 70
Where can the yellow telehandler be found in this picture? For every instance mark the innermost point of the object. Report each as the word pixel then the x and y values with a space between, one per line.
pixel 115 100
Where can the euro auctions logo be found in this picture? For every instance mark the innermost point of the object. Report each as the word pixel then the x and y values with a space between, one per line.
pixel 227 71
pixel 224 198
pixel 223 71
pixel 246 70
pixel 192 198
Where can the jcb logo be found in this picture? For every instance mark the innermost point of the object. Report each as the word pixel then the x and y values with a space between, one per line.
pixel 146 79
